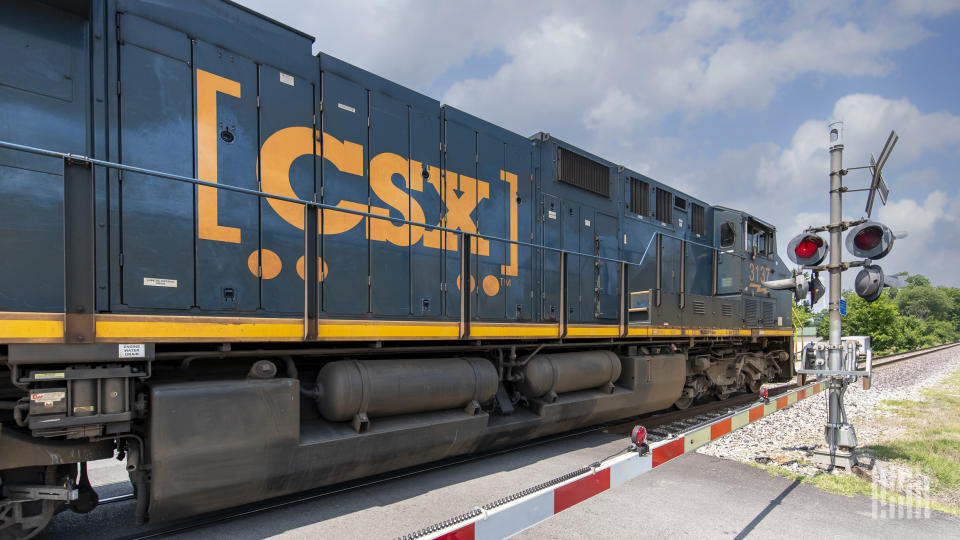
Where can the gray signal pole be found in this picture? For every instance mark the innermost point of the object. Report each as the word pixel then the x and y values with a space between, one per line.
pixel 840 436
pixel 837 362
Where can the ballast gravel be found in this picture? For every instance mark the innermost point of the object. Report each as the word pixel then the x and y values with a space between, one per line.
pixel 789 437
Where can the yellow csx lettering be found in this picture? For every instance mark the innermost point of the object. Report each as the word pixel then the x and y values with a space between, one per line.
pixel 460 193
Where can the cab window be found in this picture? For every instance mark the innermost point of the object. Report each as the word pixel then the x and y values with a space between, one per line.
pixel 728 234
pixel 759 239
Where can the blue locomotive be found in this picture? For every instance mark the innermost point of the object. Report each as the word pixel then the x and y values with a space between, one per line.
pixel 253 271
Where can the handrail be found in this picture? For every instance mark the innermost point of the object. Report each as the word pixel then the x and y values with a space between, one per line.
pixel 77 158
pixel 78 214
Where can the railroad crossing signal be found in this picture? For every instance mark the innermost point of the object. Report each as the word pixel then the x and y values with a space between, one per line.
pixel 868 240
pixel 807 249
pixel 871 280
pixel 801 286
pixel 817 289
pixel 877 185
pixel 872 240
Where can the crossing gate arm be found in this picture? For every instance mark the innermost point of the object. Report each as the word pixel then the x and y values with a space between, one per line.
pixel 512 514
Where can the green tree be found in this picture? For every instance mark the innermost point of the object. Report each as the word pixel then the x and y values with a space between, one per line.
pixel 937 332
pixel 877 319
pixel 910 334
pixel 953 314
pixel 924 301
pixel 802 314
pixel 917 279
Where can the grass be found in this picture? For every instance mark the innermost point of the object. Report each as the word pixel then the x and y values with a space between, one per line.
pixel 930 444
pixel 849 485
pixel 932 440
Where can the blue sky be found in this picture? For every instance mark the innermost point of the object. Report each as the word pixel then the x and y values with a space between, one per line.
pixel 728 101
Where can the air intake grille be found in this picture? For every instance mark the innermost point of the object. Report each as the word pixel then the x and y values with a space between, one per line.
pixel 698 222
pixel 768 318
pixel 751 311
pixel 664 206
pixel 699 307
pixel 726 310
pixel 639 197
pixel 583 172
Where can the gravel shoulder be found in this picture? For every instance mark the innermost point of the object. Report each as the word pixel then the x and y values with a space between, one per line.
pixel 786 440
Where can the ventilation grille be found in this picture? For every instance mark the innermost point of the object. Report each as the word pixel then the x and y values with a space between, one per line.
pixel 699 307
pixel 583 172
pixel 726 310
pixel 698 222
pixel 751 311
pixel 664 206
pixel 680 203
pixel 639 196
pixel 768 319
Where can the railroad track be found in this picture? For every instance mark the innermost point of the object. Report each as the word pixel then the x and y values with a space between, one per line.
pixel 660 425
pixel 899 357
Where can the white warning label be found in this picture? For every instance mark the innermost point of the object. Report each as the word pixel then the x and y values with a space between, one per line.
pixel 159 282
pixel 47 398
pixel 132 350
pixel 286 79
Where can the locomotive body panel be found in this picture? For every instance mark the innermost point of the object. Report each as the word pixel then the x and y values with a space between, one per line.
pixel 261 214
pixel 208 105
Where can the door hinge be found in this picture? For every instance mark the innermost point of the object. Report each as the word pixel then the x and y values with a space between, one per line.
pixel 121 259
pixel 118 87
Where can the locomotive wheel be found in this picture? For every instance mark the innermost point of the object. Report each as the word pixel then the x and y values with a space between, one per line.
pixel 683 403
pixel 20 520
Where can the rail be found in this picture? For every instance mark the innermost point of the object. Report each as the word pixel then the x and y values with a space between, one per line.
pixel 79 200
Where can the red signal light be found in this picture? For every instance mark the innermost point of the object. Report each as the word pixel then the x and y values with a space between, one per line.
pixel 868 238
pixel 806 249
pixel 639 435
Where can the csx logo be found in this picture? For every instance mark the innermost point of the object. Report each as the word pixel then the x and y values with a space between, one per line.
pixel 461 194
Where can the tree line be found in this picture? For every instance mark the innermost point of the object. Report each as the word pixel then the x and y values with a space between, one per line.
pixel 916 316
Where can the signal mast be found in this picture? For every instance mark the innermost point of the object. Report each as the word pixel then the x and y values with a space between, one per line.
pixel 838 361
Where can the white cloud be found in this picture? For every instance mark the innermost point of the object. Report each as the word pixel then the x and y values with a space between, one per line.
pixel 700 58
pixel 634 81
pixel 932 219
pixel 933 245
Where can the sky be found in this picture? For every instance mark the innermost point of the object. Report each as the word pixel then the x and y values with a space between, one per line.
pixel 727 101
